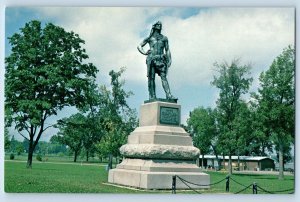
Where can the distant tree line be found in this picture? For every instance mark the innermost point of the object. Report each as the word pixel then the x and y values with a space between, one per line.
pixel 249 124
pixel 44 148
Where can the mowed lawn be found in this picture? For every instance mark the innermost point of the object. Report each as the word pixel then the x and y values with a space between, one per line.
pixel 57 177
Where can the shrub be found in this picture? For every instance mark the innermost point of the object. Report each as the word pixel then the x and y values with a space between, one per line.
pixel 12 157
pixel 39 157
pixel 60 154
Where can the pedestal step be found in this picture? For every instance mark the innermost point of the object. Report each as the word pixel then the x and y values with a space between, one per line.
pixel 170 135
pixel 156 180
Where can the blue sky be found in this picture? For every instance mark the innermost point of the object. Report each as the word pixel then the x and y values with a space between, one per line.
pixel 198 38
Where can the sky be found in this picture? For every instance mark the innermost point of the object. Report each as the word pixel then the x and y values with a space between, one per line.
pixel 198 38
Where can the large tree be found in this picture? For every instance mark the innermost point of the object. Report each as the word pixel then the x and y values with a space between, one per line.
pixel 276 101
pixel 202 126
pixel 118 119
pixel 71 132
pixel 260 143
pixel 45 72
pixel 233 81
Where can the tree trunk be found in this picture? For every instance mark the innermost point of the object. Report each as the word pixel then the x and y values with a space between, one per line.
pixel 224 161
pixel 230 165
pixel 239 162
pixel 280 153
pixel 217 157
pixel 110 156
pixel 202 161
pixel 75 155
pixel 219 162
pixel 87 156
pixel 30 154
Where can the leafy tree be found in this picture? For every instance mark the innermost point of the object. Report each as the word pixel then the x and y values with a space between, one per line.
pixel 44 73
pixel 260 144
pixel 276 100
pixel 71 132
pixel 118 119
pixel 202 126
pixel 19 148
pixel 55 147
pixel 232 82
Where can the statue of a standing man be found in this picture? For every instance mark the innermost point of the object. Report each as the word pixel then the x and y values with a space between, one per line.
pixel 158 60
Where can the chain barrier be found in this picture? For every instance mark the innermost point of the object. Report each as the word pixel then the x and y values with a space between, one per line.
pixel 187 184
pixel 255 186
pixel 246 187
pixel 200 185
pixel 174 184
pixel 275 192
pixel 227 183
pixel 237 182
pixel 183 181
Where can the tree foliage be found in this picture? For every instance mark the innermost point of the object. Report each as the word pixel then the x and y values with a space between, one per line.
pixel 233 81
pixel 202 127
pixel 118 118
pixel 276 102
pixel 45 72
pixel 71 132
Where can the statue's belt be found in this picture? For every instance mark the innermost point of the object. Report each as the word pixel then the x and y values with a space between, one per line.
pixel 155 57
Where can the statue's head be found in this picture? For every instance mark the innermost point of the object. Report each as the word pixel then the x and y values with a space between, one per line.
pixel 157 25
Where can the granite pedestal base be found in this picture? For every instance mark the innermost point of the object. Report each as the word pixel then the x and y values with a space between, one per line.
pixel 156 180
pixel 157 150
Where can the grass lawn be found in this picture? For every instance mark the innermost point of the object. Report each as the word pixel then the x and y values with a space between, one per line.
pixel 52 158
pixel 55 177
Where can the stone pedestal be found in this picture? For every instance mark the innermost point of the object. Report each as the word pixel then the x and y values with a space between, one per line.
pixel 158 149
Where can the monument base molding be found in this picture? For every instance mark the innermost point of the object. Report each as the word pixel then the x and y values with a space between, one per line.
pixel 156 180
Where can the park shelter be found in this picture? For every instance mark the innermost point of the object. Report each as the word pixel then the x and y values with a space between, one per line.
pixel 254 163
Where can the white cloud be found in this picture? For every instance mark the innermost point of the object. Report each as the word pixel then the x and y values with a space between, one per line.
pixel 255 35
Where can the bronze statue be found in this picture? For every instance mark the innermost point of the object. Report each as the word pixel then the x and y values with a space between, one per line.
pixel 158 60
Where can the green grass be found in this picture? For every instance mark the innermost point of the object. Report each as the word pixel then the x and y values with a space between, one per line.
pixel 52 158
pixel 58 177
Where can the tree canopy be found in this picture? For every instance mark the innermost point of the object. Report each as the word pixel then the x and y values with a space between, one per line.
pixel 276 102
pixel 232 81
pixel 45 72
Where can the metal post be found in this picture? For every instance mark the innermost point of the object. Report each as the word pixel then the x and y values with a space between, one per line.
pixel 254 188
pixel 227 183
pixel 174 184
